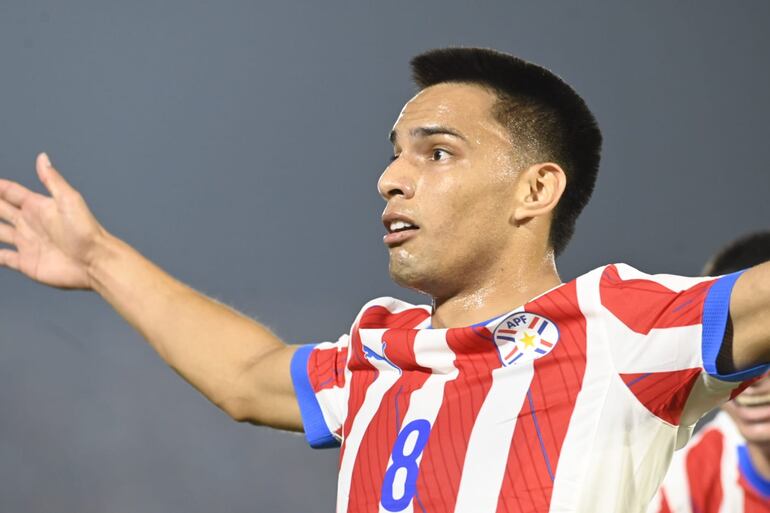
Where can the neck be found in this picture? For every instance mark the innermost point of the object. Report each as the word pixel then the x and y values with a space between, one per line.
pixel 760 459
pixel 506 289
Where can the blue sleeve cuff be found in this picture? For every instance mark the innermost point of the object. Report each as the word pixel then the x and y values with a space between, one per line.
pixel 316 430
pixel 716 308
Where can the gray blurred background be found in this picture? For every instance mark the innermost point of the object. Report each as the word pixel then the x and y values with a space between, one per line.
pixel 237 144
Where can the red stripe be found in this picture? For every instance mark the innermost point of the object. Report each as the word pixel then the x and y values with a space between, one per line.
pixel 363 373
pixel 753 502
pixel 377 442
pixel 664 507
pixel 328 368
pixel 442 462
pixel 378 317
pixel 527 485
pixel 703 463
pixel 663 393
pixel 643 305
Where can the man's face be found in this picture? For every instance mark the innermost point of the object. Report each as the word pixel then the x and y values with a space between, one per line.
pixel 751 412
pixel 452 183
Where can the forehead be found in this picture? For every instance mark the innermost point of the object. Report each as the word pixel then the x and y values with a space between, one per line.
pixel 464 107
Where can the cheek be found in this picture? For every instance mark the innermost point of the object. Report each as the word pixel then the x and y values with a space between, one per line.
pixel 467 205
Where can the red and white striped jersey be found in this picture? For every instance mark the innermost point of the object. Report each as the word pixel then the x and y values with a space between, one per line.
pixel 713 474
pixel 573 402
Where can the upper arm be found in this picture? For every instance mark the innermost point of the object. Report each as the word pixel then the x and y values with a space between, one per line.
pixel 265 393
pixel 750 317
pixel 298 388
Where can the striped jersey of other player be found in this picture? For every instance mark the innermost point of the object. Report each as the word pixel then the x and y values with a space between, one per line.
pixel 726 468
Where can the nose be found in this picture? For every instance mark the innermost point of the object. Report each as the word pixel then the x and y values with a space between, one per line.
pixel 396 180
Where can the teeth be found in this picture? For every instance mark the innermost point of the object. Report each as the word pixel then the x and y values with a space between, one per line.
pixel 399 225
pixel 753 400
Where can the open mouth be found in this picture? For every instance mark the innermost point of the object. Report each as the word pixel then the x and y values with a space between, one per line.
pixel 400 228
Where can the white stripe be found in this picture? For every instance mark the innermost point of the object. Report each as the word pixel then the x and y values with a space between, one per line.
pixel 676 484
pixel 490 440
pixel 662 349
pixel 590 401
pixel 654 506
pixel 332 409
pixel 733 495
pixel 667 349
pixel 615 451
pixel 432 351
pixel 386 378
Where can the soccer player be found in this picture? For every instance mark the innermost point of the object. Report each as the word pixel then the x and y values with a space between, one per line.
pixel 512 391
pixel 726 468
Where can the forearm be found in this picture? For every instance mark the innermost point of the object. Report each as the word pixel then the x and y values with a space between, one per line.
pixel 211 345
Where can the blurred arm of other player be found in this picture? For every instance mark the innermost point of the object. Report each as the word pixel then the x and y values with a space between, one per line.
pixel 234 361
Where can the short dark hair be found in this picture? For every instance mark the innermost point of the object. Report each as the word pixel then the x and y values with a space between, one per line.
pixel 541 112
pixel 748 251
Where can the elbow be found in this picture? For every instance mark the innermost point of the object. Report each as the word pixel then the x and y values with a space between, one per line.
pixel 283 415
pixel 239 409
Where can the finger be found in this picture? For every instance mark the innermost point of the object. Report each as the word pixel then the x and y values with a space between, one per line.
pixel 13 192
pixel 50 177
pixel 7 234
pixel 8 212
pixel 9 259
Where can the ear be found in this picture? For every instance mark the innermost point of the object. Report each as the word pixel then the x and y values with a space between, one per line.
pixel 538 190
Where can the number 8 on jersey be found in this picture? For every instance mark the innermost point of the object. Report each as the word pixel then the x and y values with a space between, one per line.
pixel 400 482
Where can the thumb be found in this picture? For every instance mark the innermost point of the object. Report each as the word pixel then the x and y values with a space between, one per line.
pixel 53 181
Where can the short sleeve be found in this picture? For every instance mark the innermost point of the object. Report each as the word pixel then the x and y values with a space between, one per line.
pixel 318 374
pixel 664 333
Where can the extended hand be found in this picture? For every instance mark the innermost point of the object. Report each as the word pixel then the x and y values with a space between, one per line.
pixel 53 236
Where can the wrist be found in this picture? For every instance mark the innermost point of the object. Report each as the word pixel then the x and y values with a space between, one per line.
pixel 105 248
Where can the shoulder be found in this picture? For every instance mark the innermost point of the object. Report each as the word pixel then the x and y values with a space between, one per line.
pixel 620 275
pixel 643 301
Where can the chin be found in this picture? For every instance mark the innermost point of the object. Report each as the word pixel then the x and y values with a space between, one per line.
pixel 407 278
pixel 406 272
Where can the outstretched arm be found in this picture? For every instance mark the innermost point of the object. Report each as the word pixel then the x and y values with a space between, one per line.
pixel 234 361
pixel 750 317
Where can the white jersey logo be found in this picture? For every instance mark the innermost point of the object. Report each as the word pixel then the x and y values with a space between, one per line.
pixel 523 336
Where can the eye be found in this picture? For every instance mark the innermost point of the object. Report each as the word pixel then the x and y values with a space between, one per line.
pixel 439 154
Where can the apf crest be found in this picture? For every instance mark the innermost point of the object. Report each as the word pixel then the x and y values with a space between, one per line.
pixel 523 337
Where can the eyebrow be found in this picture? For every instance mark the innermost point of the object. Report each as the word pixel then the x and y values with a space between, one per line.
pixel 426 131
